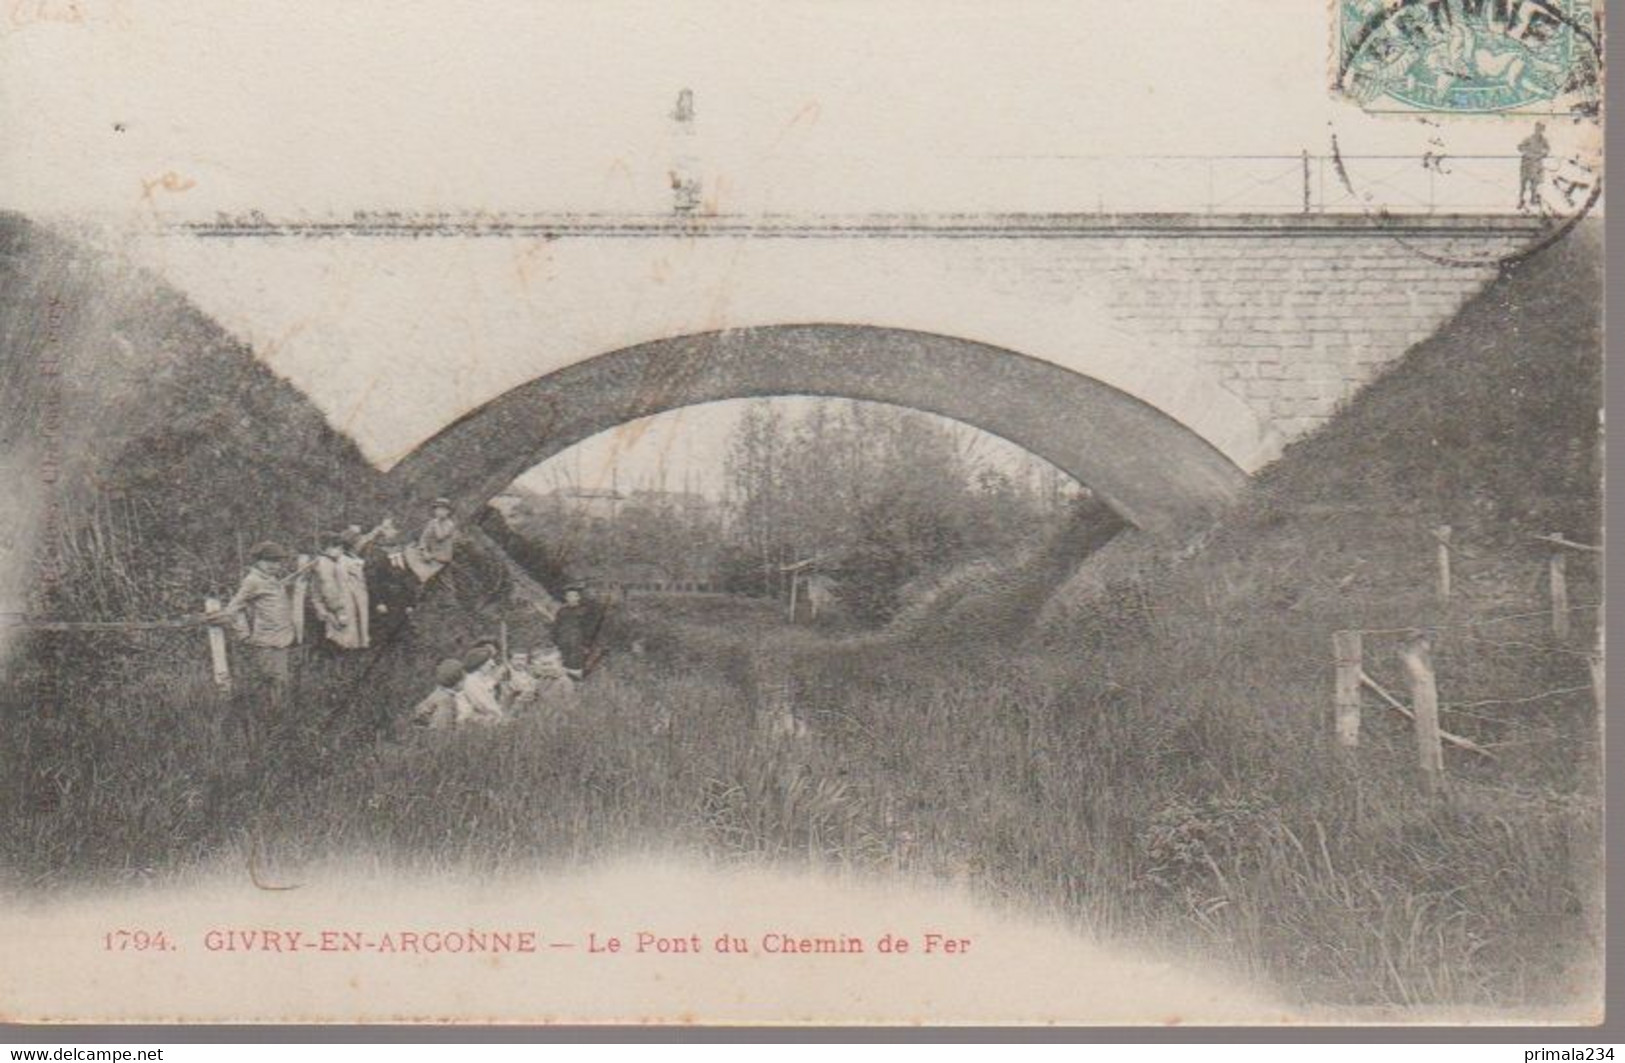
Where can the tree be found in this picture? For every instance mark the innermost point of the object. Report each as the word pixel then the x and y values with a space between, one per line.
pixel 883 495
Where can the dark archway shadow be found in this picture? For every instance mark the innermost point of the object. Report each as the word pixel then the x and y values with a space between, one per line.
pixel 1153 471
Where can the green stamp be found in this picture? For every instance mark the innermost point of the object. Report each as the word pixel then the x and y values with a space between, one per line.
pixel 1467 56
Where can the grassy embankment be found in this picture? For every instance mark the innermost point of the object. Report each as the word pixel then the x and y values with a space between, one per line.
pixel 1157 766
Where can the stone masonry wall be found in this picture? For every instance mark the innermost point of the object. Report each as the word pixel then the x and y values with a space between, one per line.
pixel 1294 324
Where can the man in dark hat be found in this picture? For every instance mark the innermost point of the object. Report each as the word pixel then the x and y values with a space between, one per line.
pixel 440 709
pixel 575 630
pixel 439 536
pixel 260 614
pixel 391 590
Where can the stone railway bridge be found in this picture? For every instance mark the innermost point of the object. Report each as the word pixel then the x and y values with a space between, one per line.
pixel 1159 359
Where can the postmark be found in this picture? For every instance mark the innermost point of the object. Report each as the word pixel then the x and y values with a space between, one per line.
pixel 1466 57
pixel 1499 103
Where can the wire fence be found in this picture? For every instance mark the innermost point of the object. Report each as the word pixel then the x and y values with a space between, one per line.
pixel 1555 638
pixel 1305 183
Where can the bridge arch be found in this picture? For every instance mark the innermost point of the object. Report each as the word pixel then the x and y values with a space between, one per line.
pixel 1155 472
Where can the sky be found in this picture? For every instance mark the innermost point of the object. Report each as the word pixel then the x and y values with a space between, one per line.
pixel 520 105
pixel 339 105
pixel 128 115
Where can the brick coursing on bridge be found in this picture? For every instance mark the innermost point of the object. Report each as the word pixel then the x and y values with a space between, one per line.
pixel 1292 326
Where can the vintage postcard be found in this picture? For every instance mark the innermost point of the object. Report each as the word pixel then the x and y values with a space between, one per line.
pixel 812 512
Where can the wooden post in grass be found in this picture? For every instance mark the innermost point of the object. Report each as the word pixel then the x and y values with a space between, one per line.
pixel 1418 661
pixel 1559 571
pixel 795 580
pixel 217 647
pixel 1347 651
pixel 1442 534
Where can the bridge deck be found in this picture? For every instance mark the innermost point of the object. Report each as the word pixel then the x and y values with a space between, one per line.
pixel 883 226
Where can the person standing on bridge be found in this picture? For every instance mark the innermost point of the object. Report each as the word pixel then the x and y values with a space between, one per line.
pixel 1532 170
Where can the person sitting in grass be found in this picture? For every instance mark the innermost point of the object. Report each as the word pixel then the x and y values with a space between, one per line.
pixel 439 710
pixel 547 665
pixel 518 685
pixel 546 688
pixel 480 702
pixel 436 544
pixel 499 670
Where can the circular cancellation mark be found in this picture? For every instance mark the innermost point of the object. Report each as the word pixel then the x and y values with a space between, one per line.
pixel 1486 113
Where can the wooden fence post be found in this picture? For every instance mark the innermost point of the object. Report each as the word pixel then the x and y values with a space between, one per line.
pixel 795 579
pixel 1425 704
pixel 1559 570
pixel 217 647
pixel 1347 651
pixel 1442 534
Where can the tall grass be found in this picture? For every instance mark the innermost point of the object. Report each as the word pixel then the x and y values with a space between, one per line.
pixel 1151 801
pixel 1155 764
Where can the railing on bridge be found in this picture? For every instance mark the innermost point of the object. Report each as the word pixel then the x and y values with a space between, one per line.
pixel 1302 183
pixel 1305 184
pixel 1320 184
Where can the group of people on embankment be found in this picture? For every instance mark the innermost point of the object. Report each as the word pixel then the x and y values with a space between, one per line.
pixel 360 591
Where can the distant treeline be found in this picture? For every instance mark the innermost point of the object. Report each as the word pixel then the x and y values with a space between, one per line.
pixel 879 495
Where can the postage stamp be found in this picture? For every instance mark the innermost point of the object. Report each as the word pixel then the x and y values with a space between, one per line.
pixel 1469 100
pixel 1466 57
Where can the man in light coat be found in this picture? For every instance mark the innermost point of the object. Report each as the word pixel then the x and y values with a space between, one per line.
pixel 333 597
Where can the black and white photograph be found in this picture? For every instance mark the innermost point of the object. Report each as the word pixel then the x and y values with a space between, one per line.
pixel 802 514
